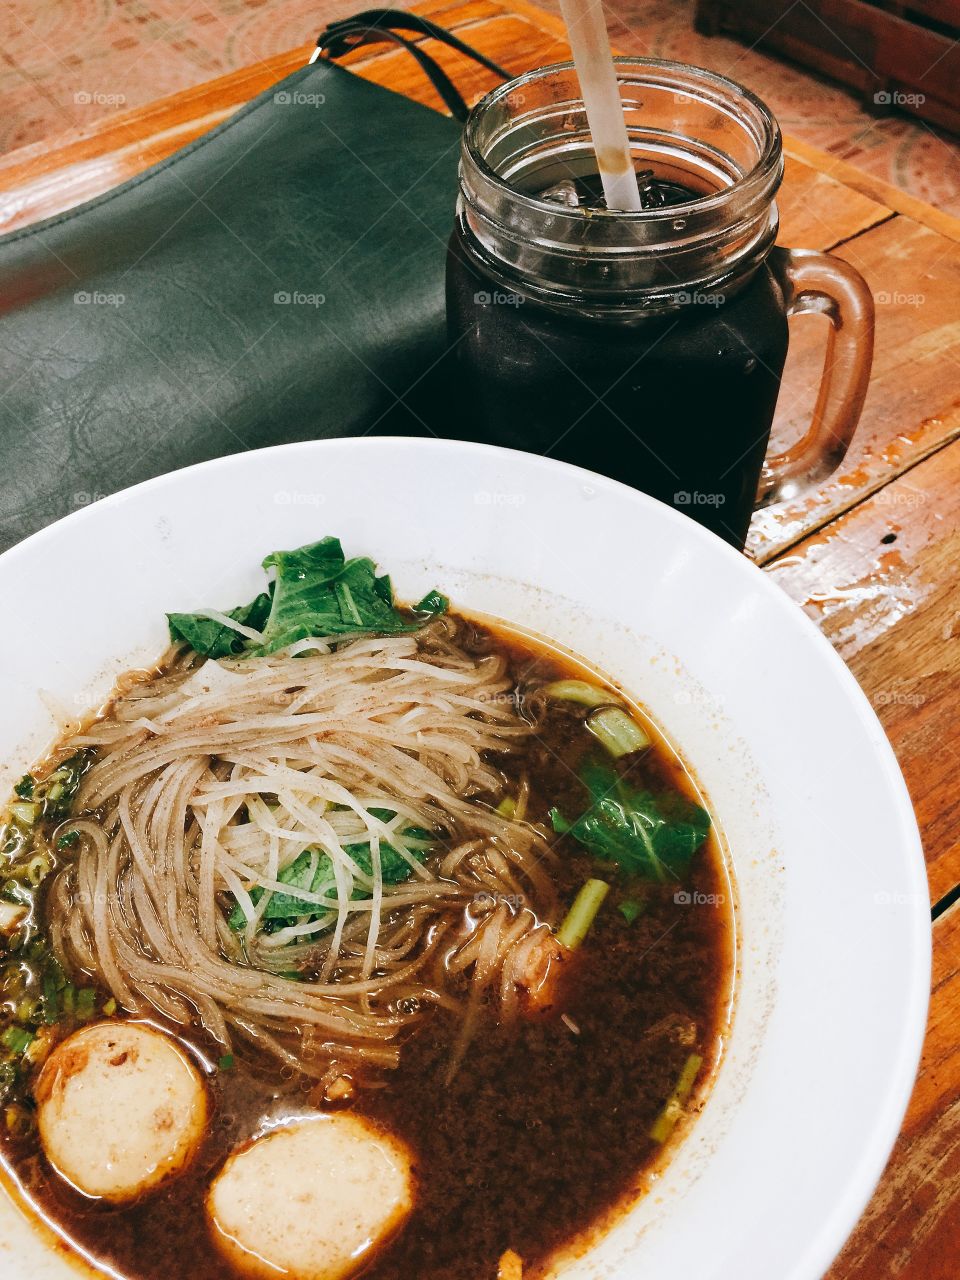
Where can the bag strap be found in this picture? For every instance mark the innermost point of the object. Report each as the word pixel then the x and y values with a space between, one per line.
pixel 375 25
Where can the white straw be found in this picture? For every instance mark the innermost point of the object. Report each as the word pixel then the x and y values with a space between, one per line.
pixel 593 60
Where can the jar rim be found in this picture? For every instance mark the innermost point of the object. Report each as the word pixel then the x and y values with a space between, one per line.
pixel 751 183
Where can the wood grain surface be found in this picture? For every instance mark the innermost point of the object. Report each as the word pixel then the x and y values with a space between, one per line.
pixel 871 556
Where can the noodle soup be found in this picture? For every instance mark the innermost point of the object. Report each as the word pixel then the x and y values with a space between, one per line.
pixel 404 892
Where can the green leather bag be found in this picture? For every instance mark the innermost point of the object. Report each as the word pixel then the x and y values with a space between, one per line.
pixel 280 279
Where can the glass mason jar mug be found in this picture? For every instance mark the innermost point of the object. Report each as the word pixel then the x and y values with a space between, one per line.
pixel 647 345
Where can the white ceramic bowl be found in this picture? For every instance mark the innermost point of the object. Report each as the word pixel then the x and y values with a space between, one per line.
pixel 833 910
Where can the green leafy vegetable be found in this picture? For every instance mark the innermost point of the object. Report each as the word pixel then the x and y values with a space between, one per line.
pixel 652 836
pixel 432 604
pixel 285 908
pixel 631 909
pixel 212 638
pixel 315 591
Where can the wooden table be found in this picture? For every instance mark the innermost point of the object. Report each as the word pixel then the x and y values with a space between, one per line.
pixel 870 556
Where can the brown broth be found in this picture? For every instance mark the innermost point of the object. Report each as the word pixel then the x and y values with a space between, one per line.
pixel 543 1134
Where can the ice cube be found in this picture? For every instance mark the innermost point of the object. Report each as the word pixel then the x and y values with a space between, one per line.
pixel 564 192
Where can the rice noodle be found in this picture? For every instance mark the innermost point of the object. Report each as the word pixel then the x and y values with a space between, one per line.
pixel 212 779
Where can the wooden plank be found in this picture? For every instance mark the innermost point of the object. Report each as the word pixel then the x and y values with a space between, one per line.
pixel 881 584
pixel 943 11
pixel 818 212
pixel 913 405
pixel 911 1228
pixel 875 188
pixel 905 51
pixel 856 43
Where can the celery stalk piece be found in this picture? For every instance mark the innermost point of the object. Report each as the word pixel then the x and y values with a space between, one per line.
pixel 665 1122
pixel 587 695
pixel 582 914
pixel 617 731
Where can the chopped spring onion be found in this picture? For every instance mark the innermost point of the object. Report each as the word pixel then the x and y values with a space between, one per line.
pixel 225 1063
pixel 25 812
pixel 617 731
pixel 630 908
pixel 40 1046
pixel 17 892
pixel 68 839
pixel 516 808
pixel 663 1126
pixel 588 695
pixel 581 915
pixel 37 868
pixel 86 1003
pixel 18 1120
pixel 110 1008
pixel 511 1266
pixel 50 997
pixel 17 1039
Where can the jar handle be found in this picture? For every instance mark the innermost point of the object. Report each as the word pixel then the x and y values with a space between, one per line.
pixel 818 282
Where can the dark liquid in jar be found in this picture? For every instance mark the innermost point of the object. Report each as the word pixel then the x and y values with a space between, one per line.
pixel 677 405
